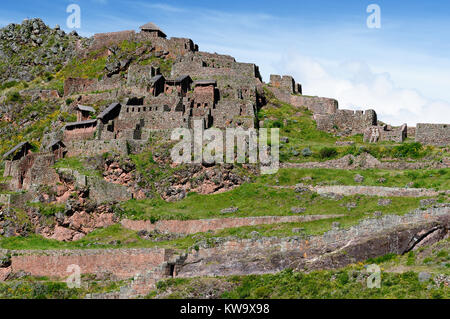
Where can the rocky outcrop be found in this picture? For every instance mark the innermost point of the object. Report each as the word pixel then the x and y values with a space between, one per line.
pixel 33 47
pixel 336 248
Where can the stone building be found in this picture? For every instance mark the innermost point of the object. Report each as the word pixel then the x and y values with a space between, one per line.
pixel 156 86
pixel 84 112
pixel 205 94
pixel 25 168
pixel 153 30
pixel 58 148
pixel 181 85
pixel 82 130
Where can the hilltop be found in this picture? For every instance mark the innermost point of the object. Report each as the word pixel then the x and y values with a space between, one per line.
pixel 86 124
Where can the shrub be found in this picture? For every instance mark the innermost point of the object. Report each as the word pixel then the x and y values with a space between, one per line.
pixel 327 152
pixel 306 152
pixel 412 150
pixel 8 85
pixel 13 97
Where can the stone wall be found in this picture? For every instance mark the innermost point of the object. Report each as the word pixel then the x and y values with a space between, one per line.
pixel 378 133
pixel 95 147
pixel 122 263
pixel 433 134
pixel 376 191
pixel 285 83
pixel 335 249
pixel 42 94
pixel 79 133
pixel 102 40
pixel 32 169
pixel 349 121
pixel 79 85
pixel 317 105
pixel 411 132
pixel 204 225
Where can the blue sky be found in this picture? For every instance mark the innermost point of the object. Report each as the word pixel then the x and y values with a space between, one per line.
pixel 401 70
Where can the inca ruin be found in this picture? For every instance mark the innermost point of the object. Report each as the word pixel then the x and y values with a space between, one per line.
pixel 87 177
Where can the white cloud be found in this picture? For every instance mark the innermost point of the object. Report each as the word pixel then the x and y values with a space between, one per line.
pixel 356 86
pixel 159 6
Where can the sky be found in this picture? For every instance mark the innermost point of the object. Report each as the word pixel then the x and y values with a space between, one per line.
pixel 401 70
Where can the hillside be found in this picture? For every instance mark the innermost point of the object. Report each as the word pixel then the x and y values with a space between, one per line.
pixel 87 177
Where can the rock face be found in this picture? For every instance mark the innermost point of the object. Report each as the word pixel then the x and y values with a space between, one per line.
pixel 32 47
pixel 337 248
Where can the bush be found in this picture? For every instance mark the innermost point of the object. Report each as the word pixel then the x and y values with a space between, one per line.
pixel 327 152
pixel 412 150
pixel 306 152
pixel 13 97
pixel 8 85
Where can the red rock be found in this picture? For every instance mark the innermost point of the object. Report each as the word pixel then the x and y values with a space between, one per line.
pixel 4 273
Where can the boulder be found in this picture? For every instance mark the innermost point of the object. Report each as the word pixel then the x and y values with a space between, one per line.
pixel 229 210
pixel 359 178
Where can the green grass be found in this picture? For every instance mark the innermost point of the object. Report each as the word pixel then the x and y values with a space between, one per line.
pixel 48 288
pixel 436 179
pixel 124 238
pixel 76 163
pixel 254 200
pixel 399 280
pixel 346 283
pixel 299 126
pixel 91 67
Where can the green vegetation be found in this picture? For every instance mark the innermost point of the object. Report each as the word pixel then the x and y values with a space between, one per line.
pixel 47 288
pixel 76 164
pixel 435 179
pixel 91 67
pixel 398 281
pixel 347 283
pixel 48 209
pixel 255 200
pixel 263 201
pixel 299 126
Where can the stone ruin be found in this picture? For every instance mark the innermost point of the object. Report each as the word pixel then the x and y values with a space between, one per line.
pixel 202 86
pixel 433 134
pixel 378 133
pixel 326 111
pixel 27 169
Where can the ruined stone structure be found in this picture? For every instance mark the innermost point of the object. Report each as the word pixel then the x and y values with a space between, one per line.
pixel 374 134
pixel 347 121
pixel 326 111
pixel 202 86
pixel 433 134
pixel 212 88
pixel 26 168
pixel 84 112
